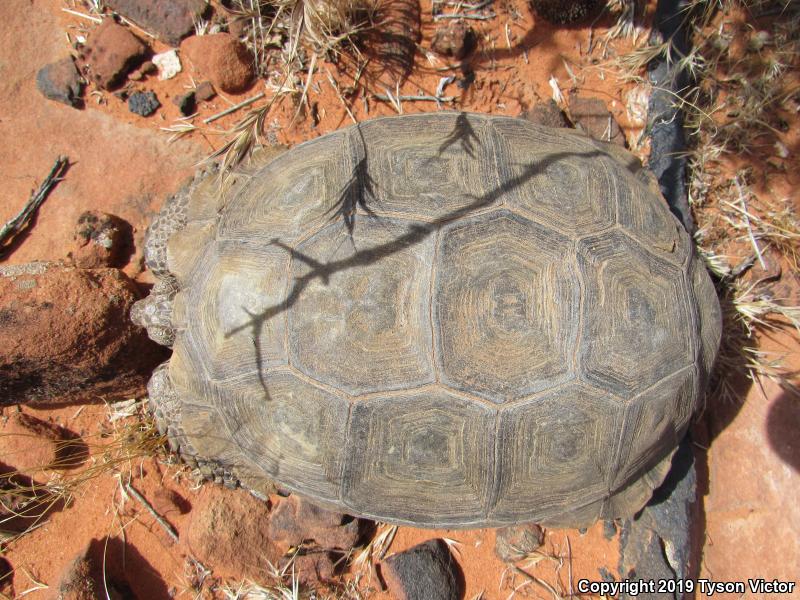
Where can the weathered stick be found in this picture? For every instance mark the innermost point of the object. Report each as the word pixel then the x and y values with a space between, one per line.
pixel 159 519
pixel 15 225
pixel 423 98
pixel 488 17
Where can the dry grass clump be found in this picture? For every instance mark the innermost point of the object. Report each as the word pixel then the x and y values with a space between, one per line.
pixel 744 92
pixel 127 437
pixel 288 38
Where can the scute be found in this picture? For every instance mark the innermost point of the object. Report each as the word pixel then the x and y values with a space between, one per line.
pixel 636 321
pixel 655 422
pixel 359 308
pixel 430 167
pixel 555 452
pixel 709 316
pixel 423 456
pixel 445 320
pixel 292 429
pixel 292 194
pixel 236 323
pixel 505 306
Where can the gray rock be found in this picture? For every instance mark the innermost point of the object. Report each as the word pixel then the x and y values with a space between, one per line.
pixel 609 529
pixel 60 81
pixel 425 572
pixel 516 542
pixel 143 103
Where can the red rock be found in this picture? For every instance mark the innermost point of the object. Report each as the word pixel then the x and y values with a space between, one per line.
pixel 295 521
pixel 65 335
pixel 427 571
pixel 592 116
pixel 80 580
pixel 455 39
pixel 516 542
pixel 169 20
pixel 99 240
pixel 111 53
pixel 229 533
pixel 222 58
pixel 60 81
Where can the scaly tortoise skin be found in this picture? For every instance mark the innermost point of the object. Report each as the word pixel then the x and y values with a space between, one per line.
pixel 445 320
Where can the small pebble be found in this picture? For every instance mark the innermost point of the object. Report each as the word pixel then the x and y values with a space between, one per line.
pixel 518 541
pixel 204 92
pixel 609 529
pixel 168 64
pixel 143 103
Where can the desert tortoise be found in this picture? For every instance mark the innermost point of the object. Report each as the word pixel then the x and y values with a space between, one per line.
pixel 444 319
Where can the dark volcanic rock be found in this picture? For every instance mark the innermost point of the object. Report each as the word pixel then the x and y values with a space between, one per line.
pixel 425 572
pixel 143 103
pixel 169 20
pixel 60 81
pixel 545 113
pixel 455 38
pixel 111 53
pixel 564 11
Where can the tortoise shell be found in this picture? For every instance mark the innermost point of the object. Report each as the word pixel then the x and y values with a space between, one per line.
pixel 447 320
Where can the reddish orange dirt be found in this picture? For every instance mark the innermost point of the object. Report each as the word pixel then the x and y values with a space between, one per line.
pixel 126 165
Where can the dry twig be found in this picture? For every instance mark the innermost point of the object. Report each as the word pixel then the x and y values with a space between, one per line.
pixel 15 225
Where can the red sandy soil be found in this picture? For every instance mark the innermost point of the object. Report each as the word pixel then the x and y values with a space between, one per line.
pixel 123 164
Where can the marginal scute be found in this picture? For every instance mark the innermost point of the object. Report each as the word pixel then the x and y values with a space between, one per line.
pixel 646 217
pixel 636 321
pixel 655 421
pixel 425 457
pixel 709 316
pixel 508 331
